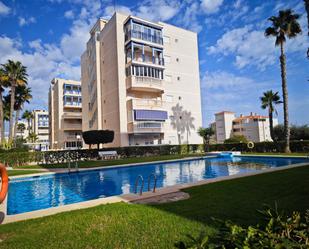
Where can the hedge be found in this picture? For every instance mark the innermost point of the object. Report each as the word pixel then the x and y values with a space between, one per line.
pixel 48 157
pixel 295 146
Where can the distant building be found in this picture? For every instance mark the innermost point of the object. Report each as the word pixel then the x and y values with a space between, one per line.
pixel 254 127
pixel 40 126
pixel 141 79
pixel 65 114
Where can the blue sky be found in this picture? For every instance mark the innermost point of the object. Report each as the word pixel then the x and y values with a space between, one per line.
pixel 237 63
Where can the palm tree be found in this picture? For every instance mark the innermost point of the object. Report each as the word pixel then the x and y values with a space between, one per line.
pixel 32 138
pixel 17 76
pixel 307 10
pixel 28 115
pixel 269 100
pixel 21 127
pixel 3 84
pixel 22 96
pixel 206 133
pixel 284 25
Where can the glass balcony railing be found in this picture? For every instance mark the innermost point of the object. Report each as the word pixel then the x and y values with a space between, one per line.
pixel 77 104
pixel 144 36
pixel 72 92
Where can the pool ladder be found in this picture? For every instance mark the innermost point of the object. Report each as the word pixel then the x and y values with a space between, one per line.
pixel 140 177
pixel 69 166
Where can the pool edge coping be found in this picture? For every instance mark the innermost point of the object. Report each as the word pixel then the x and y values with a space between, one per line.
pixel 128 198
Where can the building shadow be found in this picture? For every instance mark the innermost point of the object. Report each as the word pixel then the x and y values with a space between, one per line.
pixel 182 122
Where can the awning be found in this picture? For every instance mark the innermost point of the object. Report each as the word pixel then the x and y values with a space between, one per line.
pixel 150 115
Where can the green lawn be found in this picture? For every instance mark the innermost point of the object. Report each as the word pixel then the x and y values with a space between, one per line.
pixel 102 163
pixel 22 172
pixel 123 225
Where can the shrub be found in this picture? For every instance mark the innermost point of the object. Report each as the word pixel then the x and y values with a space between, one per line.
pixel 236 139
pixel 98 137
pixel 296 146
pixel 280 231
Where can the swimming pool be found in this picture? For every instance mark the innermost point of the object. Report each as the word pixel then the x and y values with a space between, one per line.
pixel 34 193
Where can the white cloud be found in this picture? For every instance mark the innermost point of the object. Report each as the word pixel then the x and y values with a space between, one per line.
pixel 222 90
pixel 160 10
pixel 249 46
pixel 69 14
pixel 4 10
pixel 23 21
pixel 211 6
pixel 110 10
pixel 190 17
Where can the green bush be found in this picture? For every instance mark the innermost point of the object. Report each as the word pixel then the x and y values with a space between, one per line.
pixel 296 146
pixel 19 158
pixel 236 139
pixel 279 231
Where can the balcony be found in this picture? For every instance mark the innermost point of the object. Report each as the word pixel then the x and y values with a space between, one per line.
pixel 151 104
pixel 72 92
pixel 72 104
pixel 72 115
pixel 72 127
pixel 145 127
pixel 144 83
pixel 143 36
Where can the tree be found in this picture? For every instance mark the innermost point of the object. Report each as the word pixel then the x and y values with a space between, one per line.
pixel 17 76
pixel 28 115
pixel 297 132
pixel 21 127
pixel 307 10
pixel 3 84
pixel 22 96
pixel 98 137
pixel 206 133
pixel 269 100
pixel 32 138
pixel 236 139
pixel 285 25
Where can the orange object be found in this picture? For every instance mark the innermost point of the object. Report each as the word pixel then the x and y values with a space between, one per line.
pixel 5 183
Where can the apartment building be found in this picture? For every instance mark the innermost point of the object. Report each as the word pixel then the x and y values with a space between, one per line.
pixel 141 79
pixel 254 127
pixel 65 114
pixel 40 126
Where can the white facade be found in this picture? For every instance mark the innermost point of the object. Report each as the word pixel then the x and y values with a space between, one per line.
pixel 65 114
pixel 254 127
pixel 141 80
pixel 224 125
pixel 40 126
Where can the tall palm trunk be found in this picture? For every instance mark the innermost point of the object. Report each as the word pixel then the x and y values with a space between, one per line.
pixel 285 100
pixel 13 88
pixel 16 123
pixel 271 123
pixel 1 118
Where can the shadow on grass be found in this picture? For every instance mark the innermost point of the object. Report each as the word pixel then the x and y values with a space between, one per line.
pixel 239 199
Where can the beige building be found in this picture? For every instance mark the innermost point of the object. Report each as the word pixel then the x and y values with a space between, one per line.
pixel 254 127
pixel 40 126
pixel 141 79
pixel 65 114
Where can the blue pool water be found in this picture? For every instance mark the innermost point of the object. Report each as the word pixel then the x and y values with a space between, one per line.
pixel 34 193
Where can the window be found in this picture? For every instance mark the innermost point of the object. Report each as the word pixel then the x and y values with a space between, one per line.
pixel 178 78
pixel 179 98
pixel 176 40
pixel 177 59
